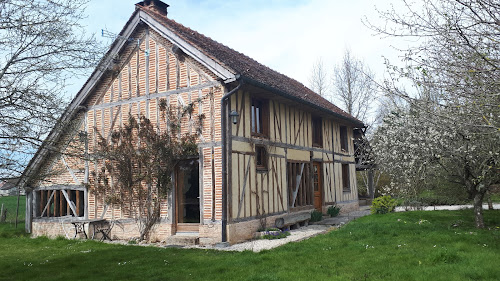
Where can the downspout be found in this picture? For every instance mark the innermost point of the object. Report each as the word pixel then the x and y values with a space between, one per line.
pixel 224 158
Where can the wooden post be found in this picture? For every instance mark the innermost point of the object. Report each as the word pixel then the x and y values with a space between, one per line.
pixel 2 214
pixel 29 212
pixel 17 209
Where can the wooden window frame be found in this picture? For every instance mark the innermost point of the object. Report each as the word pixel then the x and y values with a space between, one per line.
pixel 261 152
pixel 344 144
pixel 259 118
pixel 317 131
pixel 304 197
pixel 346 180
pixel 53 203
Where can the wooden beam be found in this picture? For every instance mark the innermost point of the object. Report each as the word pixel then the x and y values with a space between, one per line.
pixel 155 95
pixel 75 179
pixel 244 188
pixel 47 205
pixel 70 203
pixel 297 184
pixel 62 187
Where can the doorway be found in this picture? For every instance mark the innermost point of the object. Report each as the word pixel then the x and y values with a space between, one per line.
pixel 318 187
pixel 187 190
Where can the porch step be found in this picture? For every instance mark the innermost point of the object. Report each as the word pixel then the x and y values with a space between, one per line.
pixel 184 239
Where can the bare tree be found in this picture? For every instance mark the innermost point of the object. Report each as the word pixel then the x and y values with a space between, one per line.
pixel 318 80
pixel 354 87
pixel 42 44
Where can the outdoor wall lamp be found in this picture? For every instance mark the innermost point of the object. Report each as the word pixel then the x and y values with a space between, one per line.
pixel 234 116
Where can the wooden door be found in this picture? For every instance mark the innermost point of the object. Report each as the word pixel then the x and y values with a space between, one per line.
pixel 187 189
pixel 318 186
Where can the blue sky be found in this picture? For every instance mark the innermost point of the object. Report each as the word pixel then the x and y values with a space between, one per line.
pixel 288 36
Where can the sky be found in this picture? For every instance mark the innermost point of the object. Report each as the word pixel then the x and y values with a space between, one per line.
pixel 285 35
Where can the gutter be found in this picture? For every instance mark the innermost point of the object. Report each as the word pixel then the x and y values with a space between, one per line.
pixel 224 157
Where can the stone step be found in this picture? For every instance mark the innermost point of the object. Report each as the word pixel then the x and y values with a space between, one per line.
pixel 184 239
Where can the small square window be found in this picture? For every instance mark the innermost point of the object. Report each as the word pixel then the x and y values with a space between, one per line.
pixel 260 157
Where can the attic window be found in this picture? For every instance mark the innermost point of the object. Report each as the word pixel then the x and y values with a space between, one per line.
pixel 260 118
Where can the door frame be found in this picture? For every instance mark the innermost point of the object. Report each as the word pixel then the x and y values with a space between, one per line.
pixel 184 227
pixel 320 185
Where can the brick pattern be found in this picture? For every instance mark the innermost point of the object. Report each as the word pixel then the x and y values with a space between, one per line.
pixel 109 106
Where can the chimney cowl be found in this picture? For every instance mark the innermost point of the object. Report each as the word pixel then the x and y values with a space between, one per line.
pixel 154 5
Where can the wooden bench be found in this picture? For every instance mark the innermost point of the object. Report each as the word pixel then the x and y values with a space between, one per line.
pixel 293 219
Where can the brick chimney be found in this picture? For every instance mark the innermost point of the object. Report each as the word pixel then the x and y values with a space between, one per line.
pixel 153 5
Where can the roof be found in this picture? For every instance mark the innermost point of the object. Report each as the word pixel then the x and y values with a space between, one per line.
pixel 246 67
pixel 222 60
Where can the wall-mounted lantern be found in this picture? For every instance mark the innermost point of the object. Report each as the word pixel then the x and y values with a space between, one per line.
pixel 234 116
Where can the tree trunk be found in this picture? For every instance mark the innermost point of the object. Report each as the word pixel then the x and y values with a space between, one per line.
pixel 478 209
pixel 490 202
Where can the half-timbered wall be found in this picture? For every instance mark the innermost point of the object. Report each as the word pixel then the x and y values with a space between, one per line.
pixel 142 76
pixel 254 192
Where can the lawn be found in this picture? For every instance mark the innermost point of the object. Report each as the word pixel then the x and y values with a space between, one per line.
pixel 438 245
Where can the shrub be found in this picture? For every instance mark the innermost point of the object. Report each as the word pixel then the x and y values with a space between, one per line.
pixel 333 211
pixel 316 216
pixel 383 205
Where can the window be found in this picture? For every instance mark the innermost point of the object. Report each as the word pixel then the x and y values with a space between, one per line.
pixel 300 186
pixel 261 157
pixel 343 138
pixel 317 132
pixel 59 203
pixel 260 118
pixel 346 186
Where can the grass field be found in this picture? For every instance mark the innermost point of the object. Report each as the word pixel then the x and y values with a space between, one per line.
pixel 438 245
pixel 10 202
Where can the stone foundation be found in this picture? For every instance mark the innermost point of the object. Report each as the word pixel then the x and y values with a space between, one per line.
pixel 245 230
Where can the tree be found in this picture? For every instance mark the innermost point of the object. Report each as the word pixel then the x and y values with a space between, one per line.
pixel 318 80
pixel 42 45
pixel 354 87
pixel 138 161
pixel 452 118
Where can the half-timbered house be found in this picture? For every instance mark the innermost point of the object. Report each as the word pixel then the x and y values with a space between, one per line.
pixel 270 147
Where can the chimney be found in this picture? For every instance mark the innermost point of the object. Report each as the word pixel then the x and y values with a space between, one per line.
pixel 153 5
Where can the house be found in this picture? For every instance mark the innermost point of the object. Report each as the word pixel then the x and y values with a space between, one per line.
pixel 288 151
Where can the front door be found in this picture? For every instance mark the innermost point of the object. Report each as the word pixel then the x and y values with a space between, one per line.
pixel 318 187
pixel 188 196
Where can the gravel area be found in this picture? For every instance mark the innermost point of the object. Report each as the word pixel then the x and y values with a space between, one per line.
pixel 299 234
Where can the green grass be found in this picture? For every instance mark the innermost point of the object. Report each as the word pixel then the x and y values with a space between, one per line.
pixel 10 202
pixel 495 198
pixel 438 245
